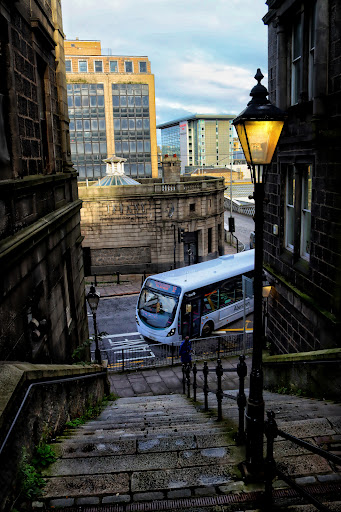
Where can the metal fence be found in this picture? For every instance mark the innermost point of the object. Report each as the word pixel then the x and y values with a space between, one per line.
pixel 145 355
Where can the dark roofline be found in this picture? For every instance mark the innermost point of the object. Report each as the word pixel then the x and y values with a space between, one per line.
pixel 193 117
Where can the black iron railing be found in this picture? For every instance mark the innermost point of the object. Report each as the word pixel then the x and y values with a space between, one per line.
pixel 240 369
pixel 272 470
pixel 147 355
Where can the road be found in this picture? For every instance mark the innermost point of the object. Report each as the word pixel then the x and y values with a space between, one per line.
pixel 244 225
pixel 116 318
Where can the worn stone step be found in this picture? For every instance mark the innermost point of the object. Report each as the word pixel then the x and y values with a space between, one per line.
pixel 141 444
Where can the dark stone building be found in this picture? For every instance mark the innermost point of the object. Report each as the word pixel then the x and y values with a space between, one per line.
pixel 302 241
pixel 42 308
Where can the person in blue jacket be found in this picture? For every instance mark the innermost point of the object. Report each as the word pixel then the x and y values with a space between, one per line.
pixel 185 351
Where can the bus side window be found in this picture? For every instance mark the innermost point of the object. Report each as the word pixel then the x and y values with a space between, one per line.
pixel 228 293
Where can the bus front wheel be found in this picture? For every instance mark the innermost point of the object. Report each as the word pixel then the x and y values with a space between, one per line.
pixel 207 330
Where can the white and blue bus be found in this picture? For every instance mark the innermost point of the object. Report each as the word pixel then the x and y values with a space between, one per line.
pixel 193 301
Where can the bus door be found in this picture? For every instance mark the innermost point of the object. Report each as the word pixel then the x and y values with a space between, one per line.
pixel 190 314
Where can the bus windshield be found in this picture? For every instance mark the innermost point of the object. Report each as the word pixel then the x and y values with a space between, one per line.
pixel 156 308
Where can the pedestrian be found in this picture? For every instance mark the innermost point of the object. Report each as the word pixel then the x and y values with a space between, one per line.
pixel 185 351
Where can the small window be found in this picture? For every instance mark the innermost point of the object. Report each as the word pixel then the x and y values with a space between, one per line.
pixel 68 66
pixel 192 207
pixel 296 70
pixel 290 209
pixel 306 214
pixel 83 66
pixel 143 67
pixel 113 66
pixel 128 66
pixel 98 66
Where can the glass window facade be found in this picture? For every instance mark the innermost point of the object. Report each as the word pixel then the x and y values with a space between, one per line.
pixel 132 127
pixel 87 129
pixel 170 140
pixel 68 66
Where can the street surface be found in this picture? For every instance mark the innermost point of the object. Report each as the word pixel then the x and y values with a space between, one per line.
pixel 244 225
pixel 116 315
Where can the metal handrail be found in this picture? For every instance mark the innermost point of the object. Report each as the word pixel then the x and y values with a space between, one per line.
pixel 271 469
pixel 41 383
pixel 240 369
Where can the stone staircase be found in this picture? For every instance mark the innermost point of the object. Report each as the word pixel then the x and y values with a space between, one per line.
pixel 142 449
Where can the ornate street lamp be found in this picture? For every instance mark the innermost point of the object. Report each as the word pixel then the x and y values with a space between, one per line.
pixel 93 300
pixel 258 127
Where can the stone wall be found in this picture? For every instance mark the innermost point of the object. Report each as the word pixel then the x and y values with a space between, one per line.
pixel 132 229
pixel 42 292
pixel 305 304
pixel 44 413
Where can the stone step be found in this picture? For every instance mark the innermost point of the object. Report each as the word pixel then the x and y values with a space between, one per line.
pixel 156 453
pixel 141 444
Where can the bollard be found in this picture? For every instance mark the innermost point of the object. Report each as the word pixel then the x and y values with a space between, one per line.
pixel 219 394
pixel 118 277
pixel 270 428
pixel 183 379
pixel 241 400
pixel 205 388
pixel 95 280
pixel 188 378
pixel 195 382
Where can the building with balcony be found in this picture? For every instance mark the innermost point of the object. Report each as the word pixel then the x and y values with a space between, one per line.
pixel 135 228
pixel 199 140
pixel 42 305
pixel 302 244
pixel 111 102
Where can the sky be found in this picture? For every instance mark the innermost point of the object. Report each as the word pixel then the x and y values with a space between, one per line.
pixel 203 53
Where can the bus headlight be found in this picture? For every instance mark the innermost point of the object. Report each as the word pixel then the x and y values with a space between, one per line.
pixel 137 320
pixel 171 333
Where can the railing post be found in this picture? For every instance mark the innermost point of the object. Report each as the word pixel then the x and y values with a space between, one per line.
pixel 122 359
pixel 241 399
pixel 172 349
pixel 219 394
pixel 205 372
pixel 218 355
pixel 270 428
pixel 188 378
pixel 184 379
pixel 195 382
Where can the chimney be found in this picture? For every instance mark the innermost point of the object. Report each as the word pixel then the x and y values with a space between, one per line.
pixel 171 169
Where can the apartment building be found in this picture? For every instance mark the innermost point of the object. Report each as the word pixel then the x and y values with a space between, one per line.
pixel 111 102
pixel 199 140
pixel 302 251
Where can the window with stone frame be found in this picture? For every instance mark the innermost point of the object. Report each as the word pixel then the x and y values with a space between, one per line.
pixel 303 54
pixel 298 194
pixel 98 65
pixel 83 66
pixel 68 66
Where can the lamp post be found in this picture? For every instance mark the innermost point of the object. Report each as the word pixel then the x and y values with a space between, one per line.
pixel 258 127
pixel 93 300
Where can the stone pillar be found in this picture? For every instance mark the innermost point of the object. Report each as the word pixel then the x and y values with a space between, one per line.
pixel 321 56
pixel 171 169
pixel 281 71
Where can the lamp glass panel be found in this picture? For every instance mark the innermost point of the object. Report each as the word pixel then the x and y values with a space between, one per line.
pixel 93 302
pixel 263 138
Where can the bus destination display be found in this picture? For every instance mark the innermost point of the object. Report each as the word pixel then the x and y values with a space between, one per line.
pixel 167 288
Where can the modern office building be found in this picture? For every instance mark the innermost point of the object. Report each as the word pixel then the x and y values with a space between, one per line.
pixel 111 101
pixel 199 140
